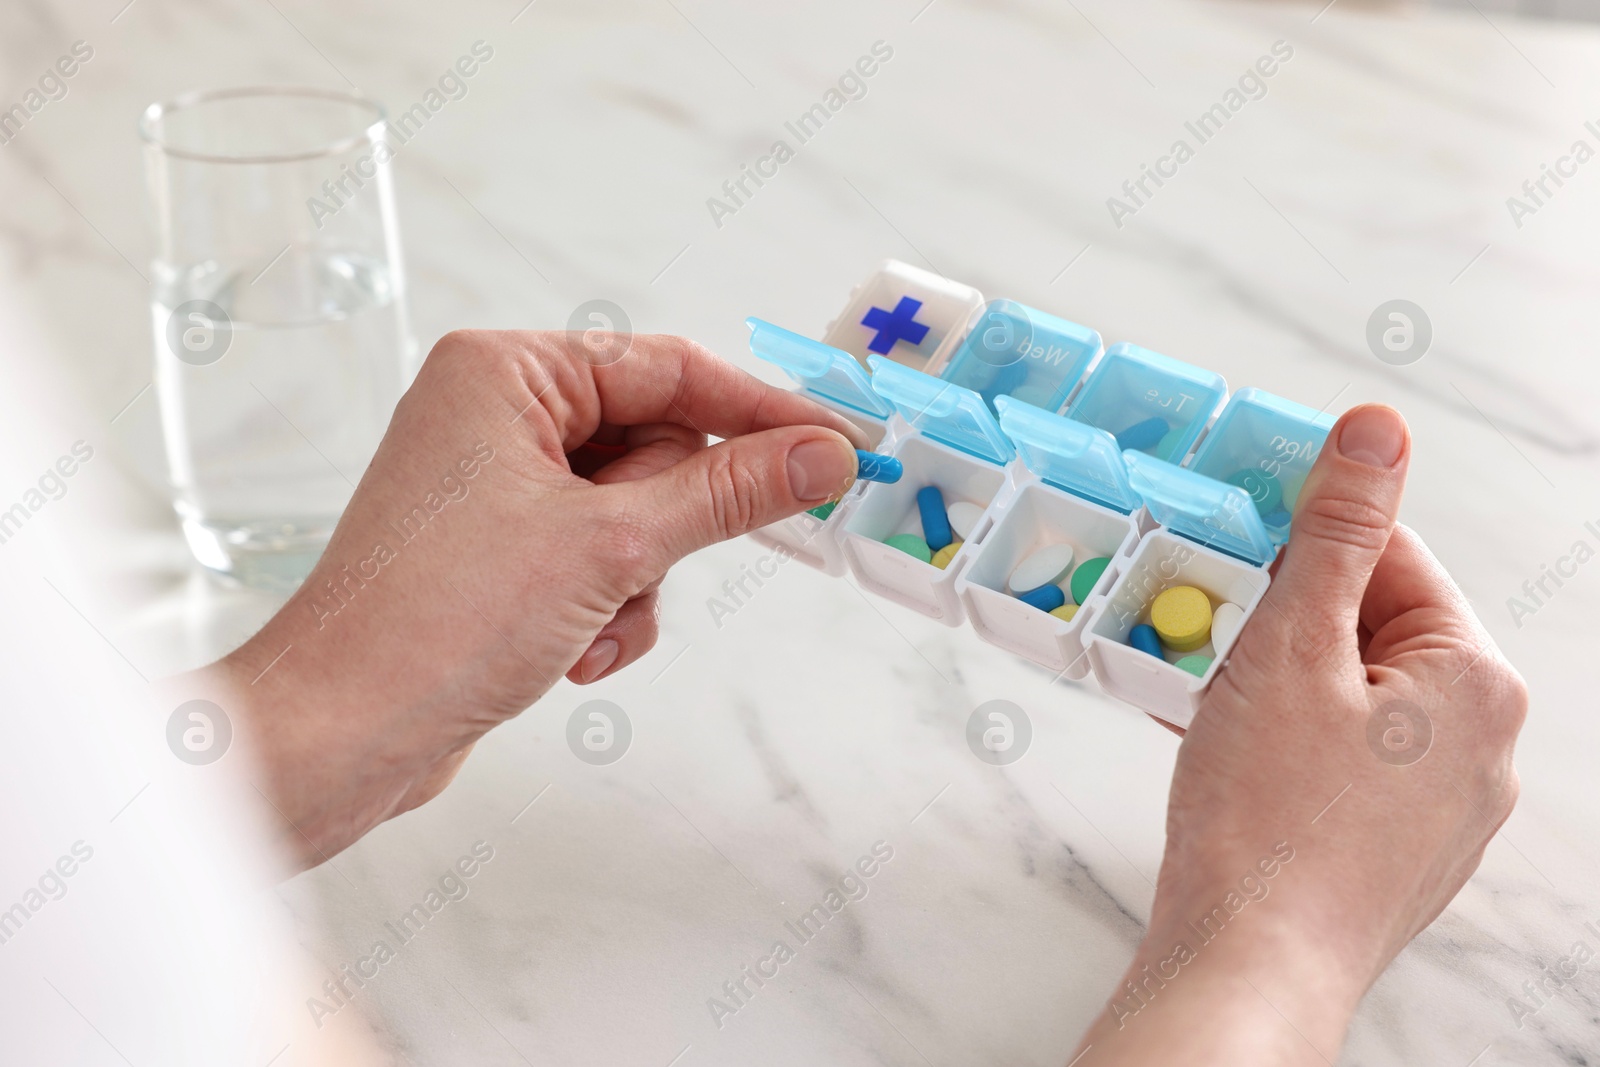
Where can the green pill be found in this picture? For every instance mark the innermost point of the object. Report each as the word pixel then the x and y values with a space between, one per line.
pixel 911 545
pixel 822 511
pixel 1263 488
pixel 1087 574
pixel 1170 441
pixel 1195 665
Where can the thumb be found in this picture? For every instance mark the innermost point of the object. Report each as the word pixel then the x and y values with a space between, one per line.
pixel 736 486
pixel 1343 519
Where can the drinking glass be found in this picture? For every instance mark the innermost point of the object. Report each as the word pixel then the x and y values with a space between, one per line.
pixel 278 309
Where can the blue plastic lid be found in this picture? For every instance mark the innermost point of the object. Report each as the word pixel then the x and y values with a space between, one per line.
pixel 1152 403
pixel 829 372
pixel 941 410
pixel 1014 350
pixel 1259 430
pixel 1239 489
pixel 1069 455
pixel 1216 514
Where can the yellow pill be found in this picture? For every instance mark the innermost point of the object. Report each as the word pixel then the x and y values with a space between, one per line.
pixel 942 558
pixel 1182 618
pixel 1065 611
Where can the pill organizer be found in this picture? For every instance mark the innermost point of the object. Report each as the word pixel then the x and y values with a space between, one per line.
pixel 1120 453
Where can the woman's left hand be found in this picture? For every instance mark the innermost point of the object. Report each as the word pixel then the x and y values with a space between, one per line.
pixel 513 528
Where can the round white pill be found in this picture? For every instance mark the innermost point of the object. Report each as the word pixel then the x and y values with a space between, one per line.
pixel 1047 566
pixel 1225 624
pixel 963 517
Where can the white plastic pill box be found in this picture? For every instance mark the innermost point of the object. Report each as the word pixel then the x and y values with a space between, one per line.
pixel 1122 453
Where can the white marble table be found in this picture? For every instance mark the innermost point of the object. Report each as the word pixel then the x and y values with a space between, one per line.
pixel 773 751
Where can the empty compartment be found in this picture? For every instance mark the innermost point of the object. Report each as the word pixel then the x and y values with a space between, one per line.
pixel 912 316
pixel 881 511
pixel 1162 561
pixel 1037 516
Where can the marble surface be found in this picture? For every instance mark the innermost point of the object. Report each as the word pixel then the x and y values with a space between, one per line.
pixel 772 752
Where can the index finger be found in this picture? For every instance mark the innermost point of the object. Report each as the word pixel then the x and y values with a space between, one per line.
pixel 662 378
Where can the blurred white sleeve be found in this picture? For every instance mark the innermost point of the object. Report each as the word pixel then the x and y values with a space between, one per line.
pixel 138 920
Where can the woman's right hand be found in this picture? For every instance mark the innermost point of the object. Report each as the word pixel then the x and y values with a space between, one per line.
pixel 1358 747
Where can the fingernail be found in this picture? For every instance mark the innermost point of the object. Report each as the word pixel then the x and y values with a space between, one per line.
pixel 599 658
pixel 1374 435
pixel 819 470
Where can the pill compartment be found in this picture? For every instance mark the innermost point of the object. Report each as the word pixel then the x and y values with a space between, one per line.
pixel 1218 532
pixel 838 382
pixel 1266 445
pixel 944 436
pixel 884 510
pixel 1017 351
pixel 1164 560
pixel 1039 515
pixel 1075 492
pixel 912 316
pixel 1131 387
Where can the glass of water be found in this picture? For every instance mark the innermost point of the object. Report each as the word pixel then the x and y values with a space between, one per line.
pixel 278 309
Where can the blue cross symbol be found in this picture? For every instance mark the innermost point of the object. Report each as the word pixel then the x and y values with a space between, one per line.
pixel 892 326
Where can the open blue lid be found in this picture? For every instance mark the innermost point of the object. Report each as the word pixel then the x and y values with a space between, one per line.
pixel 1240 488
pixel 1069 455
pixel 829 372
pixel 1014 350
pixel 1216 514
pixel 941 410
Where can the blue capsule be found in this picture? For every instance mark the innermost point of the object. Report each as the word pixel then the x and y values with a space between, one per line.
pixel 935 523
pixel 1143 637
pixel 1142 436
pixel 876 467
pixel 1045 598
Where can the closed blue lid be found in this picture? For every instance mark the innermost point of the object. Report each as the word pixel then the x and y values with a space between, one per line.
pixel 1151 403
pixel 1014 350
pixel 941 410
pixel 829 372
pixel 1240 488
pixel 1265 432
pixel 1069 455
pixel 1216 514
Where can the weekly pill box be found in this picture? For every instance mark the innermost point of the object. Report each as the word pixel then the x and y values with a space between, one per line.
pixel 1120 452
